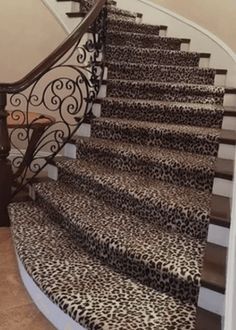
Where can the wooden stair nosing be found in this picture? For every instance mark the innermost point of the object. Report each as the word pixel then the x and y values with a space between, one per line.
pixel 221 71
pixel 230 111
pixel 220 211
pixel 224 169
pixel 227 137
pixel 230 90
pixel 205 55
pixel 214 268
pixel 207 321
pixel 75 14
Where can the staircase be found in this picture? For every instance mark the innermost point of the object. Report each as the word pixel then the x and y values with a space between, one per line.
pixel 126 236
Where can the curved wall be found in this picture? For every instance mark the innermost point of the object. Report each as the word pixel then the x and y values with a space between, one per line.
pixel 216 16
pixel 28 33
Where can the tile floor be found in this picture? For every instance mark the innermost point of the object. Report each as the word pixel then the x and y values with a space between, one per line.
pixel 17 311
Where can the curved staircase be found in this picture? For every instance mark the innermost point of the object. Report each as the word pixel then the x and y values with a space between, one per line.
pixel 120 240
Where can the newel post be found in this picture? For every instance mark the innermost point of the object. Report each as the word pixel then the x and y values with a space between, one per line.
pixel 5 164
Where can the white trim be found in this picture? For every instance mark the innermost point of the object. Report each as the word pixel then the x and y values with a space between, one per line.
pixel 70 151
pixel 52 312
pixel 218 235
pixel 230 303
pixel 206 32
pixel 211 301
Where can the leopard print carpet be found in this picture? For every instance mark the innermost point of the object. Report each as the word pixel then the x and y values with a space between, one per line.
pixel 131 26
pixel 204 115
pixel 172 74
pixel 171 166
pixel 136 89
pixel 118 242
pixel 172 207
pixel 91 293
pixel 199 140
pixel 131 54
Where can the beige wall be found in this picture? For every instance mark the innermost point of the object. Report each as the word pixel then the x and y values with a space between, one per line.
pixel 217 16
pixel 28 33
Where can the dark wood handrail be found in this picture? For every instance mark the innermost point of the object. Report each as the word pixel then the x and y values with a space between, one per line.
pixel 57 54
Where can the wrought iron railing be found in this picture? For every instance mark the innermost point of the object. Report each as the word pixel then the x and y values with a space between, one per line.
pixel 40 113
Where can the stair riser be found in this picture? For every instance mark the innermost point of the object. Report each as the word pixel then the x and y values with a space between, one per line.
pixel 152 275
pixel 143 41
pixel 147 91
pixel 172 75
pixel 162 113
pixel 152 56
pixel 169 172
pixel 178 141
pixel 190 222
pixel 128 26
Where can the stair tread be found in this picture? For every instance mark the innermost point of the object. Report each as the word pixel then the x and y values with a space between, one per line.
pixel 228 136
pixel 220 211
pixel 175 86
pixel 230 111
pixel 142 187
pixel 136 24
pixel 125 233
pixel 207 320
pixel 184 159
pixel 214 268
pixel 224 168
pixel 161 66
pixel 143 35
pixel 195 130
pixel 118 11
pixel 79 279
pixel 149 49
pixel 210 107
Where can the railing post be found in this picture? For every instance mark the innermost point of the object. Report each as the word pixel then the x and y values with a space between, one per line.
pixel 5 164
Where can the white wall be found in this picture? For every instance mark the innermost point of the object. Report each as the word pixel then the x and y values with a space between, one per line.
pixel 217 16
pixel 28 33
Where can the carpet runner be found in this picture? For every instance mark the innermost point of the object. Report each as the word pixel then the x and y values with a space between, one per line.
pixel 118 241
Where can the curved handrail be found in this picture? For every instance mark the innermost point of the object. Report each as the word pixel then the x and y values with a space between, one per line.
pixel 57 54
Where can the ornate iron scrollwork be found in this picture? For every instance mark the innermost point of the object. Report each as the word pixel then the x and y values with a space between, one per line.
pixel 61 100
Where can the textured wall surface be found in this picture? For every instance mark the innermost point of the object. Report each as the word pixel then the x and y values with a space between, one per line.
pixel 217 16
pixel 28 33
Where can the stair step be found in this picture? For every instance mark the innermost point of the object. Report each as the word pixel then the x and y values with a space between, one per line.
pixel 152 56
pixel 123 13
pixel 119 239
pixel 198 140
pixel 214 268
pixel 72 277
pixel 228 137
pixel 120 38
pixel 160 73
pixel 207 320
pixel 161 91
pixel 75 14
pixel 129 26
pixel 220 211
pixel 224 169
pixel 180 168
pixel 194 114
pixel 230 111
pixel 175 208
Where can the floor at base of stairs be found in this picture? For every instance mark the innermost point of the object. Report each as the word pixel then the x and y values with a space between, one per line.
pixel 17 311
